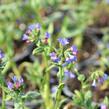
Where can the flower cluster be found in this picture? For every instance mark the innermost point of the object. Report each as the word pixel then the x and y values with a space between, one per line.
pixel 70 55
pixel 36 26
pixel 32 31
pixel 103 78
pixel 16 83
pixel 67 57
pixel 100 80
pixel 33 27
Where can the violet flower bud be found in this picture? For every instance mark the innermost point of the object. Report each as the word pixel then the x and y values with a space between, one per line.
pixel 38 26
pixel 47 35
pixel 63 41
pixel 25 37
pixel 1 54
pixel 31 27
pixel 10 85
pixel 71 59
pixel 102 79
pixel 69 74
pixel 54 57
pixel 74 50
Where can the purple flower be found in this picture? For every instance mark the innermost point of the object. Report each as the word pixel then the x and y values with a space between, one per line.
pixel 34 26
pixel 25 37
pixel 38 26
pixel 54 89
pixel 10 85
pixel 69 74
pixel 21 80
pixel 52 80
pixel 47 35
pixel 28 32
pixel 105 76
pixel 54 57
pixel 1 54
pixel 103 106
pixel 71 59
pixel 14 78
pixel 74 50
pixel 102 79
pixel 63 41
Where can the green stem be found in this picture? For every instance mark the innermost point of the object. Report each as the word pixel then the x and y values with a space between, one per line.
pixel 60 75
pixel 3 99
pixel 7 66
pixel 76 71
pixel 58 95
pixel 49 68
pixel 46 95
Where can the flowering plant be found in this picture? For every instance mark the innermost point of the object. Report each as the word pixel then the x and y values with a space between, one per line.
pixel 61 56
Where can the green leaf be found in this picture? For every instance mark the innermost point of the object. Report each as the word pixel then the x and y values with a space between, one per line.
pixel 61 86
pixel 78 98
pixel 78 94
pixel 8 97
pixel 50 28
pixel 38 50
pixel 31 95
pixel 2 81
pixel 85 85
pixel 7 90
pixel 81 77
pixel 2 65
pixel 106 101
pixel 88 95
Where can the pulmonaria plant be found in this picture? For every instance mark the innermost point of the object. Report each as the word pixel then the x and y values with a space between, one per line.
pixel 15 92
pixel 61 57
pixel 64 59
